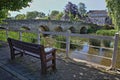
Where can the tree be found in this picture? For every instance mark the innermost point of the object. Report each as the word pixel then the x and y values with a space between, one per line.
pixel 54 14
pixel 59 16
pixel 71 9
pixel 41 15
pixel 20 16
pixel 81 9
pixel 34 15
pixel 11 5
pixel 114 12
pixel 3 14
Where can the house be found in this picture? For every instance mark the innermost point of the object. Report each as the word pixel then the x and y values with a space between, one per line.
pixel 98 17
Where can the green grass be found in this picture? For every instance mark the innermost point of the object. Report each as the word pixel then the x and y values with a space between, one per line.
pixel 27 37
pixel 2 35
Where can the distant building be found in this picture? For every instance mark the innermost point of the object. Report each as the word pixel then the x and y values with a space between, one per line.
pixel 98 17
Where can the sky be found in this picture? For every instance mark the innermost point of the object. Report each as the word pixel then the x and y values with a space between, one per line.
pixel 47 6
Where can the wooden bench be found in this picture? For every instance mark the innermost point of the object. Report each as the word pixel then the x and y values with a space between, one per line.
pixel 20 48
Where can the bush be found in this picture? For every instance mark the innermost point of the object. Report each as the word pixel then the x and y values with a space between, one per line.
pixel 106 43
pixel 92 28
pixel 33 40
pixel 94 42
pixel 107 27
pixel 106 32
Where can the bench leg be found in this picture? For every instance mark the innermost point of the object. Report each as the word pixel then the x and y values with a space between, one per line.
pixel 43 70
pixel 12 54
pixel 43 66
pixel 21 55
pixel 54 61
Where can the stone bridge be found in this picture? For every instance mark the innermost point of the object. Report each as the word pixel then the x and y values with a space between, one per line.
pixel 47 25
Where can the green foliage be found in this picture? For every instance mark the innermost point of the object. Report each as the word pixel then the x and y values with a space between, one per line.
pixel 3 14
pixel 94 42
pixel 58 16
pixel 114 11
pixel 71 16
pixel 106 32
pixel 72 9
pixel 15 5
pixel 2 35
pixel 29 37
pixel 106 43
pixel 34 15
pixel 20 16
pixel 107 27
pixel 54 13
pixel 92 28
pixel 81 9
pixel 13 34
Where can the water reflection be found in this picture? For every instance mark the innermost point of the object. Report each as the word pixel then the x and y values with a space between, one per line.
pixel 84 54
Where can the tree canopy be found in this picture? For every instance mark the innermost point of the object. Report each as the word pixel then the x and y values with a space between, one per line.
pixel 34 15
pixel 54 14
pixel 71 8
pixel 20 16
pixel 11 5
pixel 114 12
pixel 81 8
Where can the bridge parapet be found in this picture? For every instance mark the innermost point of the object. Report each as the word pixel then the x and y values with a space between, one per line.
pixel 34 24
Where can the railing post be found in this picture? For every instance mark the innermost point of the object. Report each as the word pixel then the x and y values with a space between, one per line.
pixel 38 37
pixel 114 56
pixel 20 35
pixel 67 42
pixel 6 32
pixel 101 49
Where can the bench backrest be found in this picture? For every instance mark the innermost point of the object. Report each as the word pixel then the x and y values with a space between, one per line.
pixel 30 47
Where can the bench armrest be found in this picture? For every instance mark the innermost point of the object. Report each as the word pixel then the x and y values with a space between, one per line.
pixel 49 50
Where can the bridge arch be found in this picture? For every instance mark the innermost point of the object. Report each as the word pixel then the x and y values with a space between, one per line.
pixel 58 29
pixel 72 29
pixel 25 28
pixel 43 28
pixel 83 30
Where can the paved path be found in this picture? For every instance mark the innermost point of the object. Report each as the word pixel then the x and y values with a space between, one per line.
pixel 28 68
pixel 5 75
